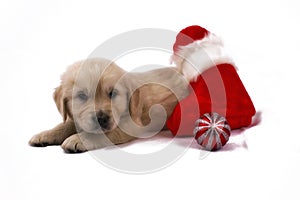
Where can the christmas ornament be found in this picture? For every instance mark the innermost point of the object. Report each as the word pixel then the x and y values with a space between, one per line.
pixel 212 131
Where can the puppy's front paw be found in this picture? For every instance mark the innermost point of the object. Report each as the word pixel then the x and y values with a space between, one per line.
pixel 43 139
pixel 73 144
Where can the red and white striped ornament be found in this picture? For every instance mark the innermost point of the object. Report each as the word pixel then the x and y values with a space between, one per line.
pixel 212 131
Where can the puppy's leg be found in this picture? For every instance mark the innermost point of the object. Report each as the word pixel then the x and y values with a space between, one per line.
pixel 55 136
pixel 82 142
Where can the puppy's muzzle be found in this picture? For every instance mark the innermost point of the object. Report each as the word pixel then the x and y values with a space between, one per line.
pixel 103 119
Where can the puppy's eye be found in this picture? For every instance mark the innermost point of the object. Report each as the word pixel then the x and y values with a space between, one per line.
pixel 113 93
pixel 82 96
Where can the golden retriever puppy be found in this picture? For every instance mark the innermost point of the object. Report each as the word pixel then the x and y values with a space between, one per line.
pixel 102 105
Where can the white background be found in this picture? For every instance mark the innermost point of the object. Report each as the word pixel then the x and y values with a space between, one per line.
pixel 38 39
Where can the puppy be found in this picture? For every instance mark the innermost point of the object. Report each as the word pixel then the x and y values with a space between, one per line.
pixel 103 105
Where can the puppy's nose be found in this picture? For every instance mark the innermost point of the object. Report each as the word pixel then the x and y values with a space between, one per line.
pixel 103 120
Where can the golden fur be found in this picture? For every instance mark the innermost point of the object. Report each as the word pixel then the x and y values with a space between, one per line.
pixel 102 105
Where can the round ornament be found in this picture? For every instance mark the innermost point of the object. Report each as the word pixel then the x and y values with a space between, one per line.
pixel 212 131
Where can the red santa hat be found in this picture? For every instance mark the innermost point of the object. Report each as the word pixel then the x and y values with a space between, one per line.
pixel 216 86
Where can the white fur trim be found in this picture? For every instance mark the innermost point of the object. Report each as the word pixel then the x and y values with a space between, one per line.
pixel 195 58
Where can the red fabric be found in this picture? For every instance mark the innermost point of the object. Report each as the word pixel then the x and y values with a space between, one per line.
pixel 189 35
pixel 218 89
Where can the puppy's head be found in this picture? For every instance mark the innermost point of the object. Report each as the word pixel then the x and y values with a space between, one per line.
pixel 95 94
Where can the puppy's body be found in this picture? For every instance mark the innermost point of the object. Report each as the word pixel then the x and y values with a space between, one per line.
pixel 110 106
pixel 164 87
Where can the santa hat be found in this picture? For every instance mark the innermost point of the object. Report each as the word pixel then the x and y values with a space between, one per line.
pixel 216 86
pixel 196 50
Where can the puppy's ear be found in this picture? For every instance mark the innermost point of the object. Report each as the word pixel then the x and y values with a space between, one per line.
pixel 61 102
pixel 136 107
